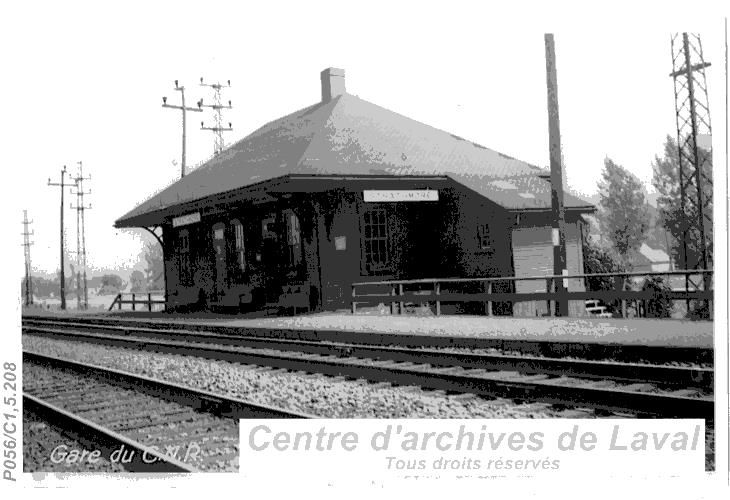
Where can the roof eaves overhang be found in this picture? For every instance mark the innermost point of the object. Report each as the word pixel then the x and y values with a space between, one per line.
pixel 269 189
pixel 158 216
pixel 512 209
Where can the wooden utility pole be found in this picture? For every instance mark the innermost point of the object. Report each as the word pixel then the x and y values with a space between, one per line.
pixel 81 207
pixel 62 184
pixel 184 110
pixel 26 245
pixel 556 175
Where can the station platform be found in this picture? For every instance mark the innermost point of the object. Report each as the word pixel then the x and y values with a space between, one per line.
pixel 458 329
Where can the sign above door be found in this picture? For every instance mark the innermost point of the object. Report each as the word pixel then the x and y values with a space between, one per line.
pixel 374 195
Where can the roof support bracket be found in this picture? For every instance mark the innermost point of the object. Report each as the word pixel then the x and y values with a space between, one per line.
pixel 158 237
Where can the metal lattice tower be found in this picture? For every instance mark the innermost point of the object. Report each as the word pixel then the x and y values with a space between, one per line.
pixel 81 286
pixel 218 108
pixel 695 169
pixel 27 244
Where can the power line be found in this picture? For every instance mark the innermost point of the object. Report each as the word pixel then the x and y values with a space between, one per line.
pixel 81 286
pixel 184 110
pixel 218 108
pixel 62 185
pixel 27 244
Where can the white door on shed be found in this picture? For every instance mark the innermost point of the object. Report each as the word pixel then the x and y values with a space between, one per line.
pixel 532 254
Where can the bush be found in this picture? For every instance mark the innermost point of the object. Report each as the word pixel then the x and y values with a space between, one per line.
pixel 660 307
pixel 698 310
pixel 598 260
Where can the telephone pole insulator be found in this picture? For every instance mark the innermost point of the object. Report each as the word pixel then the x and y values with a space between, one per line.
pixel 218 108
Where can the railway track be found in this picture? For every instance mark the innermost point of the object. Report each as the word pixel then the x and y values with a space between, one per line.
pixel 546 348
pixel 609 387
pixel 160 426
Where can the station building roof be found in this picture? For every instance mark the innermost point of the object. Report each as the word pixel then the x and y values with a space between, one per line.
pixel 346 136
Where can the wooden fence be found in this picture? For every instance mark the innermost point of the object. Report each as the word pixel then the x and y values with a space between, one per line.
pixel 144 299
pixel 437 291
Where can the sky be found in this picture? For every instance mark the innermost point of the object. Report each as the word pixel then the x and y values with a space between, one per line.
pixel 83 81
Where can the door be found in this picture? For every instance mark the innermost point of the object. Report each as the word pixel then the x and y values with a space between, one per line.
pixel 271 258
pixel 219 249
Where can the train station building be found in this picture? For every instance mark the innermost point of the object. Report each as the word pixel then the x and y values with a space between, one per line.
pixel 346 191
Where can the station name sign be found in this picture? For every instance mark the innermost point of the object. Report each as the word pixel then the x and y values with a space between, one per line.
pixel 374 195
pixel 186 219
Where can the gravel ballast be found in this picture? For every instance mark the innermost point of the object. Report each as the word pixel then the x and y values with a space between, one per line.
pixel 40 439
pixel 293 391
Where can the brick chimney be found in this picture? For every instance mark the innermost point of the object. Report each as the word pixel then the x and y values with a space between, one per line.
pixel 333 83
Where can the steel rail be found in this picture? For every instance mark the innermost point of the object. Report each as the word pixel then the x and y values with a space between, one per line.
pixel 538 347
pixel 210 402
pixel 93 435
pixel 602 370
pixel 574 393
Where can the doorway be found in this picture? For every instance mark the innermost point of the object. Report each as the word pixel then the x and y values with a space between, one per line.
pixel 219 249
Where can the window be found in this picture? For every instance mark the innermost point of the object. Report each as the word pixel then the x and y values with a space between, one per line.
pixel 183 257
pixel 483 238
pixel 239 246
pixel 293 239
pixel 375 240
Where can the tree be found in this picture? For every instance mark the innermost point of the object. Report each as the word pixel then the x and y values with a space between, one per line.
pixel 624 216
pixel 666 181
pixel 110 284
pixel 155 266
pixel 137 280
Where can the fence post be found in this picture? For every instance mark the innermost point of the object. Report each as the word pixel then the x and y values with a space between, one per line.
pixel 437 291
pixel 354 306
pixel 707 281
pixel 706 287
pixel 549 289
pixel 133 302
pixel 400 294
pixel 489 298
pixel 149 301
pixel 622 280
pixel 392 301
pixel 119 296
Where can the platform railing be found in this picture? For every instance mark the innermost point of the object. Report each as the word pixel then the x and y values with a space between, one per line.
pixel 398 293
pixel 144 299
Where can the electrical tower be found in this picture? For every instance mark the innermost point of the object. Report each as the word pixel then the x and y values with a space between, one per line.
pixel 218 108
pixel 81 286
pixel 184 110
pixel 26 244
pixel 695 169
pixel 62 274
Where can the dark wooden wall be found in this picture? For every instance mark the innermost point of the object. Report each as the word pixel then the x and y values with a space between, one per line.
pixel 427 240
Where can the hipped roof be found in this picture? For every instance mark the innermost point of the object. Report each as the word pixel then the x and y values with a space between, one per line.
pixel 349 136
